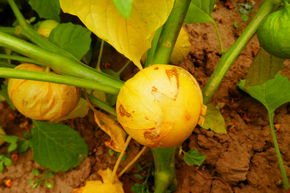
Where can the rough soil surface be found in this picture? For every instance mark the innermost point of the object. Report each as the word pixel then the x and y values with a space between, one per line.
pixel 241 161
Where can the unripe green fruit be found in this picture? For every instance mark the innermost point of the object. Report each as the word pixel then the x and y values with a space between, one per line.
pixel 274 33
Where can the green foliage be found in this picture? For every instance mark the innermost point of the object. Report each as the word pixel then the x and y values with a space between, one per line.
pixel 214 120
pixel 199 11
pixel 245 9
pixel 140 188
pixel 72 38
pixel 48 9
pixel 264 67
pixel 124 7
pixel 41 179
pixel 193 157
pixel 272 93
pixel 56 146
pixel 4 96
pixel 4 162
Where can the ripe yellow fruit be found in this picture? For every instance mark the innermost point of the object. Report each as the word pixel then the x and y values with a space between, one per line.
pixel 42 100
pixel 160 106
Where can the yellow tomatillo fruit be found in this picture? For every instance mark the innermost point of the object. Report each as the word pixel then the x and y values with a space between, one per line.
pixel 160 106
pixel 42 100
pixel 46 26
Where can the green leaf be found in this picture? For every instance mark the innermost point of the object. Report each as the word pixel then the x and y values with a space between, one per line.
pixel 72 38
pixel 4 94
pixel 139 188
pixel 57 146
pixel 214 120
pixel 1 166
pixel 264 67
pixel 272 93
pixel 35 172
pixel 48 9
pixel 199 11
pixel 7 161
pixel 24 146
pixel 12 140
pixel 193 157
pixel 124 7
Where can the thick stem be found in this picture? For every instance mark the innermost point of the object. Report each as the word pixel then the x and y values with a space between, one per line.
pixel 102 105
pixel 61 79
pixel 58 63
pixel 164 159
pixel 278 153
pixel 170 32
pixel 233 52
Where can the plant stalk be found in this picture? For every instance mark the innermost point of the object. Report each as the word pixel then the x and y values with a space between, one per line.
pixel 164 157
pixel 170 32
pixel 59 63
pixel 151 51
pixel 233 52
pixel 19 58
pixel 61 79
pixel 278 153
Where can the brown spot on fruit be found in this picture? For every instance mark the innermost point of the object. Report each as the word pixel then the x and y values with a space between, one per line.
pixel 154 89
pixel 156 68
pixel 172 74
pixel 123 112
pixel 151 134
pixel 187 116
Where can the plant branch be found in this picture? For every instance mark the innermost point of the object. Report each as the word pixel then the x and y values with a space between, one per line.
pixel 278 153
pixel 233 52
pixel 59 63
pixel 170 32
pixel 19 58
pixel 61 79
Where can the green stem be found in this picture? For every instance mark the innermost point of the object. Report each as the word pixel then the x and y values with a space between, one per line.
pixel 151 51
pixel 123 68
pixel 100 56
pixel 170 32
pixel 17 13
pixel 6 64
pixel 218 34
pixel 19 58
pixel 102 105
pixel 277 150
pixel 9 30
pixel 233 52
pixel 61 79
pixel 60 64
pixel 164 159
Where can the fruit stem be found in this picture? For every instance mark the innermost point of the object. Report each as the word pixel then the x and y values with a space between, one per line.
pixel 170 32
pixel 59 63
pixel 233 52
pixel 164 159
pixel 19 58
pixel 278 153
pixel 61 79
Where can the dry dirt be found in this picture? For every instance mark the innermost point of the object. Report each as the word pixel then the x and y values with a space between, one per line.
pixel 241 161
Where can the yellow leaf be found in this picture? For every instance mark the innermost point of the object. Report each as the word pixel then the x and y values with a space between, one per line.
pixel 104 186
pixel 181 48
pixel 113 129
pixel 132 36
pixel 81 110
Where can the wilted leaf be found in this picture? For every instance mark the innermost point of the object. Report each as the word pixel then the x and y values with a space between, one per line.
pixel 124 7
pixel 193 157
pixel 214 120
pixel 272 93
pixel 72 38
pixel 199 11
pixel 81 110
pixel 48 9
pixel 113 129
pixel 132 36
pixel 264 68
pixel 181 48
pixel 104 186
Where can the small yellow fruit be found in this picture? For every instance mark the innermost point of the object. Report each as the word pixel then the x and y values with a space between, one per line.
pixel 42 100
pixel 46 26
pixel 160 106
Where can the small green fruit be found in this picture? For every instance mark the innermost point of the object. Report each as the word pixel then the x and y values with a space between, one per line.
pixel 274 33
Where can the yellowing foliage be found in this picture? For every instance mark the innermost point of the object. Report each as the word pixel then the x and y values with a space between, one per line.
pixel 132 36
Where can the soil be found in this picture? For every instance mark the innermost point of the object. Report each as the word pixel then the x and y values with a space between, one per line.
pixel 241 161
